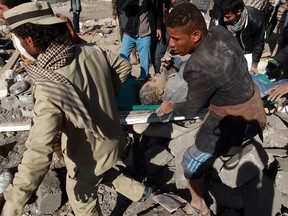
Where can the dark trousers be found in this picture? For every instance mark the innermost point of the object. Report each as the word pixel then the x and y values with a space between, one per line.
pixel 159 49
pixel 282 55
pixel 76 22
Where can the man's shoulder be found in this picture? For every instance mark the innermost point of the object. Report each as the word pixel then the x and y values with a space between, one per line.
pixel 219 33
pixel 88 49
pixel 255 14
pixel 219 30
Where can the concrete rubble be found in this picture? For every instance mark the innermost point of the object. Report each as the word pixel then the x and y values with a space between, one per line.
pixel 253 182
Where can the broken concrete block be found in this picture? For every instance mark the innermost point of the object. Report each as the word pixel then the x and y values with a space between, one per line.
pixel 5 179
pixel 3 88
pixel 283 163
pixel 184 140
pixel 275 122
pixel 221 192
pixel 10 103
pixel 274 153
pixel 278 139
pixel 284 201
pixel 49 194
pixel 261 197
pixel 27 112
pixel 9 74
pixel 180 181
pixel 155 158
pixel 281 182
pixel 244 166
pixel 219 163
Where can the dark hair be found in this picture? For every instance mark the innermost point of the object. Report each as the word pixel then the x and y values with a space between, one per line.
pixel 231 6
pixel 177 2
pixel 42 35
pixel 13 3
pixel 187 17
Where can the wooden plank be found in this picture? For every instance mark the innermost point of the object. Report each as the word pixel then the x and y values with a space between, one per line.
pixel 15 126
pixel 11 62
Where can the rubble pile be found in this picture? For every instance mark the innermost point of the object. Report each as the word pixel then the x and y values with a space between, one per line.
pixel 252 182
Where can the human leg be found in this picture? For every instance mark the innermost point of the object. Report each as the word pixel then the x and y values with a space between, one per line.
pixel 134 57
pixel 194 164
pixel 158 49
pixel 128 43
pixel 76 22
pixel 217 136
pixel 282 56
pixel 124 185
pixel 143 45
pixel 161 47
pixel 83 197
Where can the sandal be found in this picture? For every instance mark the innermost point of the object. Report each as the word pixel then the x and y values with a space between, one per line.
pixel 192 211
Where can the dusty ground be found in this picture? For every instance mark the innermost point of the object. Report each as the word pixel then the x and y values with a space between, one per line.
pixel 94 10
pixel 12 143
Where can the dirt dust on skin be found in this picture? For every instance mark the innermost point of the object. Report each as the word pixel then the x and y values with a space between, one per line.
pixel 106 34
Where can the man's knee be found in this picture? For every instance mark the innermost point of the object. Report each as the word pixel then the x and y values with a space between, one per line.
pixel 195 162
pixel 83 198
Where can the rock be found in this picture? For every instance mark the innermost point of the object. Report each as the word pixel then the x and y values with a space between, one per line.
pixel 261 197
pixel 5 180
pixel 49 194
pixel 275 122
pixel 3 88
pixel 221 192
pixel 278 139
pixel 281 182
pixel 155 158
pixel 244 166
pixel 187 139
pixel 283 163
pixel 180 181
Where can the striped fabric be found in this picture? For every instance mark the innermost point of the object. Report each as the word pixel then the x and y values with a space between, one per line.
pixel 196 162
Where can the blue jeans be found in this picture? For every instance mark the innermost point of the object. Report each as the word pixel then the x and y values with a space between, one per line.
pixel 143 47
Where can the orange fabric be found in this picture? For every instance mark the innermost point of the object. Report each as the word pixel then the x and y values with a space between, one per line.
pixel 72 34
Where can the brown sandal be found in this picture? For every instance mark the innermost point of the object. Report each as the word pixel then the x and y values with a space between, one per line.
pixel 192 211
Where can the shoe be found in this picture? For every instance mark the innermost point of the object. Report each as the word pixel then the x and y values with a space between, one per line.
pixel 192 211
pixel 142 204
pixel 147 194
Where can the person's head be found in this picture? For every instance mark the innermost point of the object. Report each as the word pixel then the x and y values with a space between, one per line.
pixel 177 2
pixel 35 25
pixel 186 27
pixel 231 10
pixel 8 4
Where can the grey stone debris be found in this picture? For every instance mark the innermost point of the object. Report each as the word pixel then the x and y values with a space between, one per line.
pixel 49 194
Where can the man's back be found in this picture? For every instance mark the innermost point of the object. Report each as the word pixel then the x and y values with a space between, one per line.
pixel 217 72
pixel 253 33
pixel 90 74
